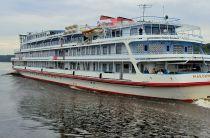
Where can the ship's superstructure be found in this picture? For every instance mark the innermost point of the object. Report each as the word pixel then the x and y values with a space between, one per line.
pixel 150 57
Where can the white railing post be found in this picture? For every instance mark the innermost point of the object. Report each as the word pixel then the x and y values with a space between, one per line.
pixel 133 60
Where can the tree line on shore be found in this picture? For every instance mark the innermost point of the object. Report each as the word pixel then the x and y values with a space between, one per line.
pixel 207 48
pixel 6 58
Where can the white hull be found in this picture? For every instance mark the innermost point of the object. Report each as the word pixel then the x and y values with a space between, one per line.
pixel 178 93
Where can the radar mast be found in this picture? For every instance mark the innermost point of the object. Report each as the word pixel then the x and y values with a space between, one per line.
pixel 144 7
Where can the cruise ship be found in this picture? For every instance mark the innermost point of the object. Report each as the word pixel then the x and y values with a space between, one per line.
pixel 151 57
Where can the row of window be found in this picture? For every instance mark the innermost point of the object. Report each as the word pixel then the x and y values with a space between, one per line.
pixel 168 48
pixel 154 29
pixel 39 35
pixel 83 66
pixel 78 51
pixel 109 33
pixel 53 42
pixel 36 54
pixel 95 50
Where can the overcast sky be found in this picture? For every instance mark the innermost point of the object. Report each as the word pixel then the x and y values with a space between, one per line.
pixel 21 16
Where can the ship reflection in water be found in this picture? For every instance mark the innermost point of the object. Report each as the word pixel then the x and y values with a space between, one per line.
pixel 47 110
pixel 78 113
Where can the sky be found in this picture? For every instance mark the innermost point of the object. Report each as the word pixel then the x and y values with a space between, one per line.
pixel 22 16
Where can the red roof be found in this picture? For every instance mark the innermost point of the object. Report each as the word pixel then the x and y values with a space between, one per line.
pixel 105 17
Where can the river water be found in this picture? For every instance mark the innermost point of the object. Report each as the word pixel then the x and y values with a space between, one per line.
pixel 34 109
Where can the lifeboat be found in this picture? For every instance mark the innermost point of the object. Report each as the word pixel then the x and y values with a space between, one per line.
pixel 71 29
pixel 93 32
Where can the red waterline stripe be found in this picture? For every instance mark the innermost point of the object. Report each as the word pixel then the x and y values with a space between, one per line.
pixel 146 84
pixel 109 92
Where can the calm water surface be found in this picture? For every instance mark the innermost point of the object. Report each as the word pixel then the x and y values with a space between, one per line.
pixel 34 109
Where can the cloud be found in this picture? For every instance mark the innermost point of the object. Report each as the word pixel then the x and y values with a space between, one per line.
pixel 21 16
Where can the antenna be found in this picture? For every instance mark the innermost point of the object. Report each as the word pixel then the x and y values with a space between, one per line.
pixel 163 8
pixel 144 7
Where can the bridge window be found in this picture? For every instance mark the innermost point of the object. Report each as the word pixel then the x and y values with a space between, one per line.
pixel 155 29
pixel 148 30
pixel 134 31
pixel 118 33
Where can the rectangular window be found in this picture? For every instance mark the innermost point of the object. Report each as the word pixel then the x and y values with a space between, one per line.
pixel 108 33
pixel 78 51
pixel 113 33
pixel 140 31
pixel 98 50
pixel 133 69
pixel 118 49
pixel 87 50
pixel 109 49
pixel 186 49
pixel 118 33
pixel 126 68
pixel 93 50
pixel 168 48
pixel 164 29
pixel 88 66
pixel 74 52
pixel 155 30
pixel 95 66
pixel 145 48
pixel 83 50
pixel 118 68
pixel 104 68
pixel 148 30
pixel 110 68
pixel 134 31
pixel 171 30
pixel 104 50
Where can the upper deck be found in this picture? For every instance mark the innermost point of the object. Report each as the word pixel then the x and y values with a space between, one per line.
pixel 151 27
pixel 110 29
pixel 33 37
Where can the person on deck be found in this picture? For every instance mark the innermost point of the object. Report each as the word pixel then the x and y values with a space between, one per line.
pixel 146 71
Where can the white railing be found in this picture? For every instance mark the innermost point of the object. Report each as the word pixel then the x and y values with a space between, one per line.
pixel 164 52
pixel 173 57
pixel 120 57
pixel 180 36
pixel 188 37
pixel 156 19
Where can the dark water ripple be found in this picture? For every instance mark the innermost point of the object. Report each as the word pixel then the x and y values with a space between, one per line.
pixel 40 109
